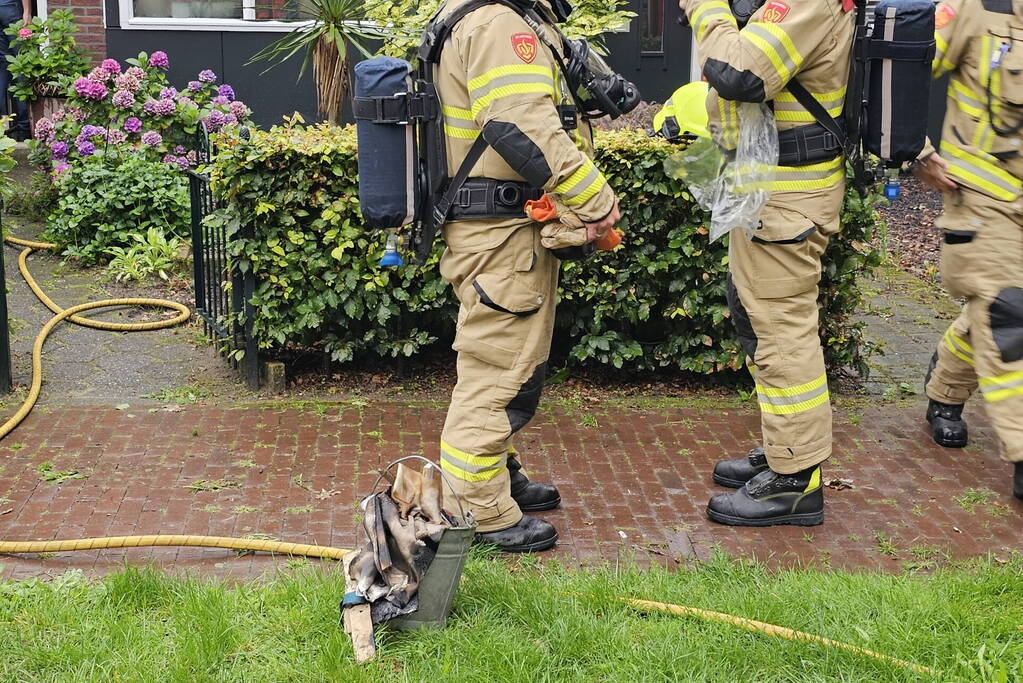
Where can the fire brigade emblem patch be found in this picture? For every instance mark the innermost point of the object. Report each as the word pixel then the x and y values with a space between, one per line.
pixel 774 12
pixel 524 45
pixel 944 16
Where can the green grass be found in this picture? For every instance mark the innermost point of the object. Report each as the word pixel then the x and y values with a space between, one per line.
pixel 519 621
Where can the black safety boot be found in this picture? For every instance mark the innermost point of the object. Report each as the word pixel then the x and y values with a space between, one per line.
pixel 770 498
pixel 947 424
pixel 530 535
pixel 531 496
pixel 1017 481
pixel 737 471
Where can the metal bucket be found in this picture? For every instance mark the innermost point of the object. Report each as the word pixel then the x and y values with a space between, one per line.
pixel 440 581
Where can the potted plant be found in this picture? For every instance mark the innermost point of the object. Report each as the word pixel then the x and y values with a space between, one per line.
pixel 46 58
pixel 328 29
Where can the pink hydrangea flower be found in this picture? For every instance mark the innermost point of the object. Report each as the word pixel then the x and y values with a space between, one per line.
pixel 239 109
pixel 77 114
pixel 44 127
pixel 194 86
pixel 135 72
pixel 90 89
pixel 159 60
pixel 165 107
pixel 151 138
pixel 123 99
pixel 24 33
pixel 60 169
pixel 207 76
pixel 127 82
pixel 149 107
pixel 111 66
pixel 220 101
pixel 99 74
pixel 116 137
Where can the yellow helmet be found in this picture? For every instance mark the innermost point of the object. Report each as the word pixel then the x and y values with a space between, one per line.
pixel 684 115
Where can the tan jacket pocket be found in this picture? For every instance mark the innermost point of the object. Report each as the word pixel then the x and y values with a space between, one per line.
pixel 496 327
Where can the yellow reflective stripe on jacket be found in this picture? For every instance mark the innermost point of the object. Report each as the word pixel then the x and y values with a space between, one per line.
pixel 981 172
pixel 469 467
pixel 700 20
pixel 967 100
pixel 941 65
pixel 1009 385
pixel 787 108
pixel 459 123
pixel 728 111
pixel 579 187
pixel 508 81
pixel 776 45
pixel 958 346
pixel 792 400
pixel 819 176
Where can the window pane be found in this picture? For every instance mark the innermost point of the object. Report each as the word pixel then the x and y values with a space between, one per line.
pixel 651 19
pixel 280 10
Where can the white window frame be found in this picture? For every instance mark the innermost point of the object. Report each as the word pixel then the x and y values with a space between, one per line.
pixel 132 23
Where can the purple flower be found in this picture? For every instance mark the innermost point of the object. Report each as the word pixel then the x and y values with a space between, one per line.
pixel 123 99
pixel 207 76
pixel 111 66
pixel 86 148
pixel 215 121
pixel 219 101
pixel 179 149
pixel 165 107
pixel 59 114
pixel 150 106
pixel 226 91
pixel 90 89
pixel 239 109
pixel 152 138
pixel 59 149
pixel 168 93
pixel 169 159
pixel 184 163
pixel 44 127
pixel 59 169
pixel 77 114
pixel 116 137
pixel 90 131
pixel 194 86
pixel 159 60
pixel 132 124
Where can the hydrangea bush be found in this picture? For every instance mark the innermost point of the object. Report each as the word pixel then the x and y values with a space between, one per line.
pixel 116 109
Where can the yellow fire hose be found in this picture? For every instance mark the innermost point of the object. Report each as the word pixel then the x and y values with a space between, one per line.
pixel 251 544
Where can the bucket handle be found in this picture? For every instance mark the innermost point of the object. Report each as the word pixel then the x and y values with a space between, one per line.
pixel 429 463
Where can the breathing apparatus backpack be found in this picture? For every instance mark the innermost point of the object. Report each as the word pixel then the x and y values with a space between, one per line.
pixel 887 100
pixel 403 167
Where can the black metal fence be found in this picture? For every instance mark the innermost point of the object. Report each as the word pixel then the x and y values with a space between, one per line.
pixel 6 385
pixel 222 291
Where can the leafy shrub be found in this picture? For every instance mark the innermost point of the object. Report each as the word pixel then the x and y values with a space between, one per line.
pixel 406 19
pixel 45 55
pixel 34 202
pixel 106 200
pixel 659 301
pixel 152 254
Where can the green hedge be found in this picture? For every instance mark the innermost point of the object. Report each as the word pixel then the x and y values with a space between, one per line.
pixel 658 302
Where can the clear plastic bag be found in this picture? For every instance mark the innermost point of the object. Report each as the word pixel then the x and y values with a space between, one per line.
pixel 733 186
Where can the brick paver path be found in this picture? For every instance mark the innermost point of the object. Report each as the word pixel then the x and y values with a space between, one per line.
pixel 634 488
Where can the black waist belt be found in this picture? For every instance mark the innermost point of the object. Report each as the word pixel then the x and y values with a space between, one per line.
pixel 807 144
pixel 489 198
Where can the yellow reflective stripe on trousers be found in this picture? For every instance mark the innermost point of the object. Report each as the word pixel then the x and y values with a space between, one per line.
pixel 700 20
pixel 1009 385
pixel 941 65
pixel 958 346
pixel 579 187
pixel 469 467
pixel 792 400
pixel 787 108
pixel 981 172
pixel 776 45
pixel 507 81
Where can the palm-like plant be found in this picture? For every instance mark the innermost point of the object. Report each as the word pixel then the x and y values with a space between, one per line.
pixel 333 27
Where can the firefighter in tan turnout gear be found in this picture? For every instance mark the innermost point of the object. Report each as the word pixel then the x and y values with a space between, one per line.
pixel 773 279
pixel 497 78
pixel 980 170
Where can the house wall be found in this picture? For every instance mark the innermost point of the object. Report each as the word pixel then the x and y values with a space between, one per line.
pixel 92 35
